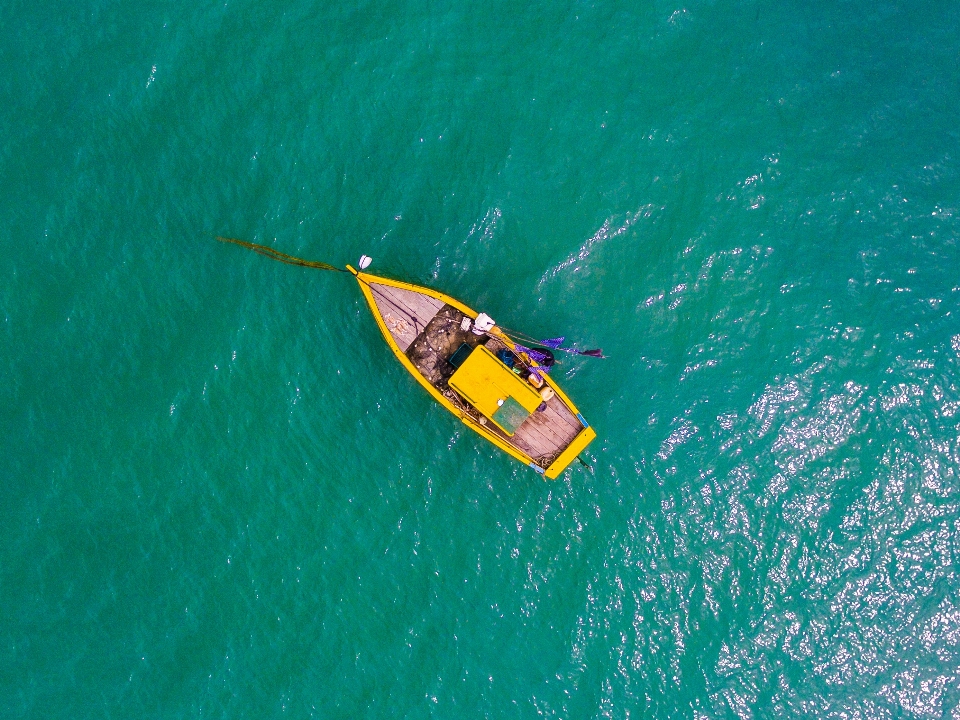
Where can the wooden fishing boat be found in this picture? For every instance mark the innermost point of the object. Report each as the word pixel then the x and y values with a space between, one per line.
pixel 470 366
pixel 466 370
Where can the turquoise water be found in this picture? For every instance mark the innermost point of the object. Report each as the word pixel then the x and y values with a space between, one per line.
pixel 222 496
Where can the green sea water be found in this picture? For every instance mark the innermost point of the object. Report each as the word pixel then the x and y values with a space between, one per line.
pixel 221 494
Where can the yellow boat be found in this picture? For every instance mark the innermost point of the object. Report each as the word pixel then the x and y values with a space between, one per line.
pixel 436 338
pixel 471 367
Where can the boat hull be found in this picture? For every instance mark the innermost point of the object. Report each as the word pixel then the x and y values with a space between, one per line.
pixel 413 319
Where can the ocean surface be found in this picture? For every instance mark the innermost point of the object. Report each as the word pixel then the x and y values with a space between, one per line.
pixel 222 496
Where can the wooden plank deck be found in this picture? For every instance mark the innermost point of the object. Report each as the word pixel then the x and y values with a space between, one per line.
pixel 405 313
pixel 546 434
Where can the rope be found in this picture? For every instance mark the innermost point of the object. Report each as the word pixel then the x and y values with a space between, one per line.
pixel 279 256
pixel 516 336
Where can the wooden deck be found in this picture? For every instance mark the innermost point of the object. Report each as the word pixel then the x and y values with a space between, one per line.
pixel 406 313
pixel 544 435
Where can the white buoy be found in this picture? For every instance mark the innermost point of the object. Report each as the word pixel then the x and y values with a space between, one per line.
pixel 365 261
pixel 483 324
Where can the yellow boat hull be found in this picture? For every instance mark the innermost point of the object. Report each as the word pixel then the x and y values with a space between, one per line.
pixel 376 291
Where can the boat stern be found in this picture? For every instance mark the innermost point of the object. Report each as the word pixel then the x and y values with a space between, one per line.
pixel 580 442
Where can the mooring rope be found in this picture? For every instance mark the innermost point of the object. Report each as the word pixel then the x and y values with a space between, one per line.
pixel 279 256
